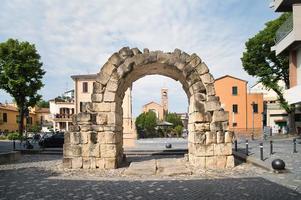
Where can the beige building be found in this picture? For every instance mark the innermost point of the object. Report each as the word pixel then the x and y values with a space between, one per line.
pixel 288 42
pixel 160 109
pixel 83 85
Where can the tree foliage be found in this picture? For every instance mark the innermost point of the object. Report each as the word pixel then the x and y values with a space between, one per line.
pixel 146 123
pixel 21 74
pixel 43 104
pixel 261 62
pixel 174 119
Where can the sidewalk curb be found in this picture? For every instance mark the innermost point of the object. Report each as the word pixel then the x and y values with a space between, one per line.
pixel 9 157
pixel 251 160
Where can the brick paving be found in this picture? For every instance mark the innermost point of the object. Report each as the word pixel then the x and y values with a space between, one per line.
pixel 42 177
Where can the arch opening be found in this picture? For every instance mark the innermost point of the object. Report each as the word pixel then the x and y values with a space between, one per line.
pixel 96 139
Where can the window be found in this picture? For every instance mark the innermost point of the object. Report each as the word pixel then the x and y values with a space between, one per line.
pixel 4 117
pixel 234 90
pixel 80 106
pixel 234 124
pixel 28 120
pixel 235 108
pixel 255 108
pixel 85 87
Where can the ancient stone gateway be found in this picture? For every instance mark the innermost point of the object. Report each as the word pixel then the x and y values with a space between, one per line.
pixel 96 137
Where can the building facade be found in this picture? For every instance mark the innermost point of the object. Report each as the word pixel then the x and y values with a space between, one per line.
pixel 160 109
pixel 245 109
pixel 288 42
pixel 83 89
pixel 9 117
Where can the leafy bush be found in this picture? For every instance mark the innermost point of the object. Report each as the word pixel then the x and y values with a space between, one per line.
pixel 178 130
pixel 14 136
pixel 3 137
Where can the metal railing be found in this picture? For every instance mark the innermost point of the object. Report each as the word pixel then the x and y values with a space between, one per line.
pixel 284 29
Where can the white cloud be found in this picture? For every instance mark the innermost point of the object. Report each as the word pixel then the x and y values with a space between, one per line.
pixel 77 37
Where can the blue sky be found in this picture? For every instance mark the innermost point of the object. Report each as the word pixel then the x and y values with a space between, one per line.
pixel 78 36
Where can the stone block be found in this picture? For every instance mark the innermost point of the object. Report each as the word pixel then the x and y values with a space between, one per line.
pixel 204 150
pixel 110 163
pixel 74 137
pixel 210 90
pixel 67 138
pixel 198 87
pixel 225 126
pixel 216 126
pixel 197 137
pixel 102 118
pixel 85 127
pixel 136 51
pixel 212 105
pixel 210 138
pixel 91 150
pixel 100 163
pixel 207 78
pixel 230 162
pixel 115 59
pixel 213 98
pixel 108 150
pixel 92 137
pixel 199 117
pixel 200 97
pixel 97 98
pixel 84 137
pixel 195 61
pixel 103 78
pixel 220 137
pixel 220 116
pixel 198 162
pixel 125 68
pixel 72 150
pixel 101 107
pixel 109 96
pixel 86 163
pixel 98 88
pixel 211 162
pixel 92 163
pixel 221 162
pixel 202 68
pixel 109 137
pixel 77 162
pixel 202 127
pixel 228 137
pixel 180 65
pixel 125 52
pixel 97 128
pixel 184 56
pixel 67 163
pixel 74 128
pixel 83 117
pixel 223 149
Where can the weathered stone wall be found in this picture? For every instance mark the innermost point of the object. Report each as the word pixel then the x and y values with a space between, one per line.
pixel 96 138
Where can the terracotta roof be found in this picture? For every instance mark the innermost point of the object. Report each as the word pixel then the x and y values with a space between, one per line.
pixel 42 110
pixel 84 76
pixel 8 107
pixel 229 76
pixel 151 102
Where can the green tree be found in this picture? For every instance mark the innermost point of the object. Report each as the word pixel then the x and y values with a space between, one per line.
pixel 43 104
pixel 174 119
pixel 21 75
pixel 178 130
pixel 259 61
pixel 146 122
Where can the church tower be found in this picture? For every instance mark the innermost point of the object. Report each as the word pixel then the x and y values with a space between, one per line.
pixel 164 100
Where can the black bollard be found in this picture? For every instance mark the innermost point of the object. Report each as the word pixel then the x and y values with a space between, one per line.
pixel 235 145
pixel 295 145
pixel 261 151
pixel 271 147
pixel 247 148
pixel 14 144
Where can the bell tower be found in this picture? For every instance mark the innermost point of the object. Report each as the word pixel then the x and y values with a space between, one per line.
pixel 164 100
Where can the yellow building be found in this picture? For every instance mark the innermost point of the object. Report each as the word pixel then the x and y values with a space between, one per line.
pixel 9 117
pixel 160 109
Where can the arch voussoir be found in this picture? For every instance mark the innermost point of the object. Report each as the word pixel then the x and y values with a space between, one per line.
pixel 96 137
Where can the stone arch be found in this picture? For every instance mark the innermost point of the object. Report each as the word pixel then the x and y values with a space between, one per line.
pixel 96 138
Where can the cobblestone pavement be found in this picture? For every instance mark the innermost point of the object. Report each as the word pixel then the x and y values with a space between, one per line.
pixel 42 177
pixel 282 149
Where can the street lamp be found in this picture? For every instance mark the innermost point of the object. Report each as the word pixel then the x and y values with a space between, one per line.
pixel 252 135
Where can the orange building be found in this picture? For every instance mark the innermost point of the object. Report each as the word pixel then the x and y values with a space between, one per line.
pixel 245 109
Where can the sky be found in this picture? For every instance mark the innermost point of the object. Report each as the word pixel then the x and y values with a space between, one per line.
pixel 78 36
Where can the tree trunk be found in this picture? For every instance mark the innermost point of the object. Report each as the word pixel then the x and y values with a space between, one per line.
pixel 21 121
pixel 292 122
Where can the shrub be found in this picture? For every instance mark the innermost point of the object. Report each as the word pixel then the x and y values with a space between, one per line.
pixel 3 137
pixel 14 136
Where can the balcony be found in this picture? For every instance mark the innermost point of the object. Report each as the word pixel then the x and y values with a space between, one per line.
pixel 62 117
pixel 284 29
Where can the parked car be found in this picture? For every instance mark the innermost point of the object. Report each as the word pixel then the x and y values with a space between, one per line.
pixel 55 140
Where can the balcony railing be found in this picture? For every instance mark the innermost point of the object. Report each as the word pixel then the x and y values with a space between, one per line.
pixel 63 116
pixel 284 29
